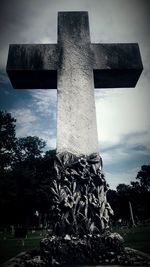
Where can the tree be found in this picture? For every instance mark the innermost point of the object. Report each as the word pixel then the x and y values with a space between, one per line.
pixel 144 178
pixel 113 199
pixel 123 189
pixel 24 174
pixel 25 170
pixel 124 195
pixel 7 185
pixel 138 193
pixel 7 140
pixel 29 148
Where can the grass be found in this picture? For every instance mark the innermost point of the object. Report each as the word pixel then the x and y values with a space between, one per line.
pixel 10 247
pixel 138 238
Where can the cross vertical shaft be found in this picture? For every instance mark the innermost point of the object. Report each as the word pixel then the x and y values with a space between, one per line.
pixel 76 116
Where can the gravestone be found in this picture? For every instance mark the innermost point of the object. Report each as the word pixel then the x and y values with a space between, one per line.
pixel 74 66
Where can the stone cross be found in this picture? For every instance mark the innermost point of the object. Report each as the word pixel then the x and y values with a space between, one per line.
pixel 71 66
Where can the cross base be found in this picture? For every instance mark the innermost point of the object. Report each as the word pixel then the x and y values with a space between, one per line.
pixel 80 214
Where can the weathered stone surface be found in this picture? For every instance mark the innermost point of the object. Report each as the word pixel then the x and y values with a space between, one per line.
pixel 116 65
pixel 33 66
pixel 76 117
pixel 69 67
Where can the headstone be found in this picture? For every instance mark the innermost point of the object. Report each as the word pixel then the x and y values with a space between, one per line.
pixel 80 211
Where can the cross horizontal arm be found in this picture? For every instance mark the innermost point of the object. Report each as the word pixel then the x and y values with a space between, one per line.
pixel 116 65
pixel 33 66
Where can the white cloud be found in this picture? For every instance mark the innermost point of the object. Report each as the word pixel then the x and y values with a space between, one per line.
pixel 28 123
pixel 24 116
pixel 45 101
pixel 123 125
pixel 25 121
pixel 121 112
pixel 115 156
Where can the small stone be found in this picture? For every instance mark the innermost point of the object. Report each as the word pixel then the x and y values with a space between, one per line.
pixel 54 262
pixel 112 260
pixel 67 237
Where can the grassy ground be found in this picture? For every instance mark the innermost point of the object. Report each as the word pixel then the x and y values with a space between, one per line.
pixel 9 247
pixel 138 238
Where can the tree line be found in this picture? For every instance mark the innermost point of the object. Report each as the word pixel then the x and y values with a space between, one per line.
pixel 136 194
pixel 26 172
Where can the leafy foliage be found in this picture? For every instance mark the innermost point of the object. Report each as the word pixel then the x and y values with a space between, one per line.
pixel 30 147
pixel 79 195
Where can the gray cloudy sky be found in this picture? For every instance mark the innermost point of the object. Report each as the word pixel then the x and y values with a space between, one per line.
pixel 123 115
